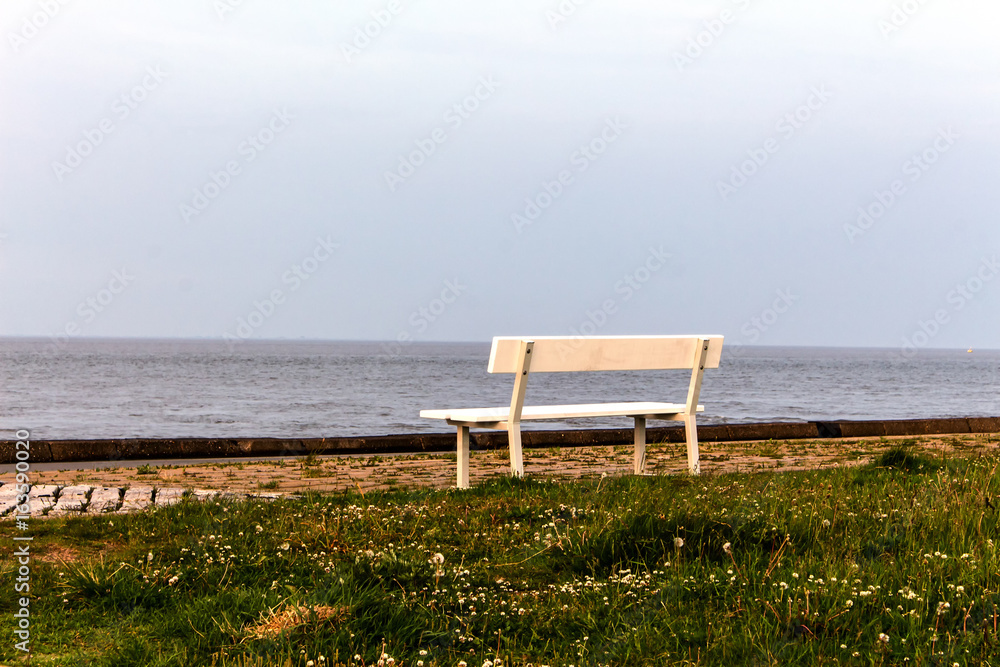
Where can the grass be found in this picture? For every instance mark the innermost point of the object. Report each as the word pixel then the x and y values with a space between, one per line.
pixel 889 563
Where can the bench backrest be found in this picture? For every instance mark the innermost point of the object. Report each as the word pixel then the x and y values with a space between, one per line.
pixel 553 354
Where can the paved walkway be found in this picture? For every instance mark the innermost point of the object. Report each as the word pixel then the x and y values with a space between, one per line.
pixel 134 486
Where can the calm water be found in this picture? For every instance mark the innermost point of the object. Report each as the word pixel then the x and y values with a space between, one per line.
pixel 121 389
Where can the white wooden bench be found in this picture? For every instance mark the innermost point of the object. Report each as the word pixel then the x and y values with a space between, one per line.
pixel 553 354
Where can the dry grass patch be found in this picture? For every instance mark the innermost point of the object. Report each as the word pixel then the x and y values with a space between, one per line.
pixel 54 553
pixel 293 619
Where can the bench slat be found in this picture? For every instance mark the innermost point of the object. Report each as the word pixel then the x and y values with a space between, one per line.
pixel 490 415
pixel 554 354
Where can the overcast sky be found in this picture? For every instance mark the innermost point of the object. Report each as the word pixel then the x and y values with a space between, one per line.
pixel 779 172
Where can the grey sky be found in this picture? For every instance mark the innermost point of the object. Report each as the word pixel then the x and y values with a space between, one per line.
pixel 211 153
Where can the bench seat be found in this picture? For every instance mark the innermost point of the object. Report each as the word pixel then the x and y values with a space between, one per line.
pixel 483 416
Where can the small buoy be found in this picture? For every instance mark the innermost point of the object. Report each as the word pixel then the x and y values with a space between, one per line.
pixel 969 350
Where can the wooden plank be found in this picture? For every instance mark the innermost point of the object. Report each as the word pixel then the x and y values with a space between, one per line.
pixel 691 433
pixel 694 391
pixel 639 464
pixel 463 457
pixel 554 354
pixel 530 412
pixel 525 358
pixel 697 373
pixel 521 381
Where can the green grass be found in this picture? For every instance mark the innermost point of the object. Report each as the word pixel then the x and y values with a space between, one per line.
pixel 874 565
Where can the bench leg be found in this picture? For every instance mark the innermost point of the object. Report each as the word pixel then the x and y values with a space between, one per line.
pixel 463 457
pixel 691 430
pixel 640 445
pixel 514 443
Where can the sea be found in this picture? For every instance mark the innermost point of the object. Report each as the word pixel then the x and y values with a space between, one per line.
pixel 114 388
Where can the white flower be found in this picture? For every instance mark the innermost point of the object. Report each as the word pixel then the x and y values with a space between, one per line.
pixel 884 638
pixel 727 547
pixel 173 580
pixel 286 546
pixel 678 542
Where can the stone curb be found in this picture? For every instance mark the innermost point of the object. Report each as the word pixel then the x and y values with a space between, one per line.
pixel 50 501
